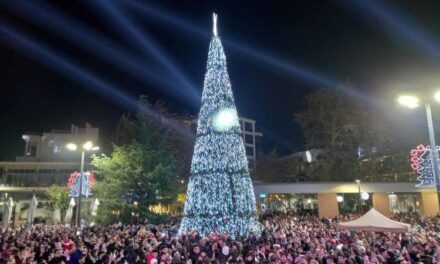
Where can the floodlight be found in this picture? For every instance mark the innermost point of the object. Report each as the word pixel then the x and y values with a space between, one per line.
pixel 71 146
pixel 408 101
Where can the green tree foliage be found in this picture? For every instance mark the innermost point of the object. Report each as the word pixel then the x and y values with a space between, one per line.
pixel 125 131
pixel 392 141
pixel 58 197
pixel 294 170
pixel 272 168
pixel 173 142
pixel 342 126
pixel 268 166
pixel 141 172
pixel 331 122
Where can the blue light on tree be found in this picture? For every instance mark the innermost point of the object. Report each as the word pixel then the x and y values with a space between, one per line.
pixel 220 196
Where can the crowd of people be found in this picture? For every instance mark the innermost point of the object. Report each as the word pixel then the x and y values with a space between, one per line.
pixel 285 238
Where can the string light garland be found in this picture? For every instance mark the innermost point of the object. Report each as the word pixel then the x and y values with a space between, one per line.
pixel 421 163
pixel 73 183
pixel 220 196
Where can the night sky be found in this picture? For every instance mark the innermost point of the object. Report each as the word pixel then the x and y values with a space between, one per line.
pixel 336 39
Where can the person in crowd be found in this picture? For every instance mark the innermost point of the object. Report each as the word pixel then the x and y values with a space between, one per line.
pixel 286 238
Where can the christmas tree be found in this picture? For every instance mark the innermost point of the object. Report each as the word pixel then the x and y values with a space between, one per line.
pixel 220 197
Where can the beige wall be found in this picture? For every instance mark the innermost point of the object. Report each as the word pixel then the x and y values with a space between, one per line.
pixel 429 203
pixel 381 203
pixel 327 205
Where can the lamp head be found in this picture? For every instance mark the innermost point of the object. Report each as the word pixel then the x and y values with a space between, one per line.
pixel 88 145
pixel 71 146
pixel 437 96
pixel 365 196
pixel 339 198
pixel 409 101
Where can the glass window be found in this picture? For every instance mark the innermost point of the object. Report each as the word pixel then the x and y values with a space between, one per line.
pixel 351 203
pixel 248 139
pixel 404 202
pixel 303 203
pixel 249 151
pixel 33 151
pixel 47 180
pixel 248 126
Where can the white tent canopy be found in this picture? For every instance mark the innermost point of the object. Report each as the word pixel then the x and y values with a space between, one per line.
pixel 375 222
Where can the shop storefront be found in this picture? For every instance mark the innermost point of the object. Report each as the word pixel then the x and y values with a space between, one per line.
pixel 306 203
pixel 332 198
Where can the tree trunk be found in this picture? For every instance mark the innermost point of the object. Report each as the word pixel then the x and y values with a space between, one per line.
pixel 56 218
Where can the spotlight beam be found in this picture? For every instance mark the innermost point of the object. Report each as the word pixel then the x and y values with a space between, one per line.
pixel 166 17
pixel 146 44
pixel 396 21
pixel 59 63
pixel 300 71
pixel 92 42
pixel 294 70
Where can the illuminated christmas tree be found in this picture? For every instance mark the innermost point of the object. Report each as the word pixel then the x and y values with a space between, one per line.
pixel 220 196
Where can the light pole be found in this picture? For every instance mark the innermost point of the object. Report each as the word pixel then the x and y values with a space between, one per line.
pixel 413 102
pixel 360 196
pixel 88 146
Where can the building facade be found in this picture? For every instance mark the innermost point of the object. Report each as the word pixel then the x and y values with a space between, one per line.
pixel 45 162
pixel 50 146
pixel 330 199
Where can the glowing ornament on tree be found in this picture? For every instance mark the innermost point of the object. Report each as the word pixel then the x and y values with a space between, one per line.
pixel 225 119
pixel 220 197
pixel 421 163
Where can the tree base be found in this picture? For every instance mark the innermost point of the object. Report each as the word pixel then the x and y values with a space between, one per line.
pixel 233 225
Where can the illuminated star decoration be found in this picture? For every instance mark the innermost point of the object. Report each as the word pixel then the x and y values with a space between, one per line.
pixel 87 183
pixel 421 163
pixel 220 196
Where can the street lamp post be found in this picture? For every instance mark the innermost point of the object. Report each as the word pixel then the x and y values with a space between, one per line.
pixel 360 195
pixel 78 208
pixel 413 102
pixel 88 146
pixel 434 152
